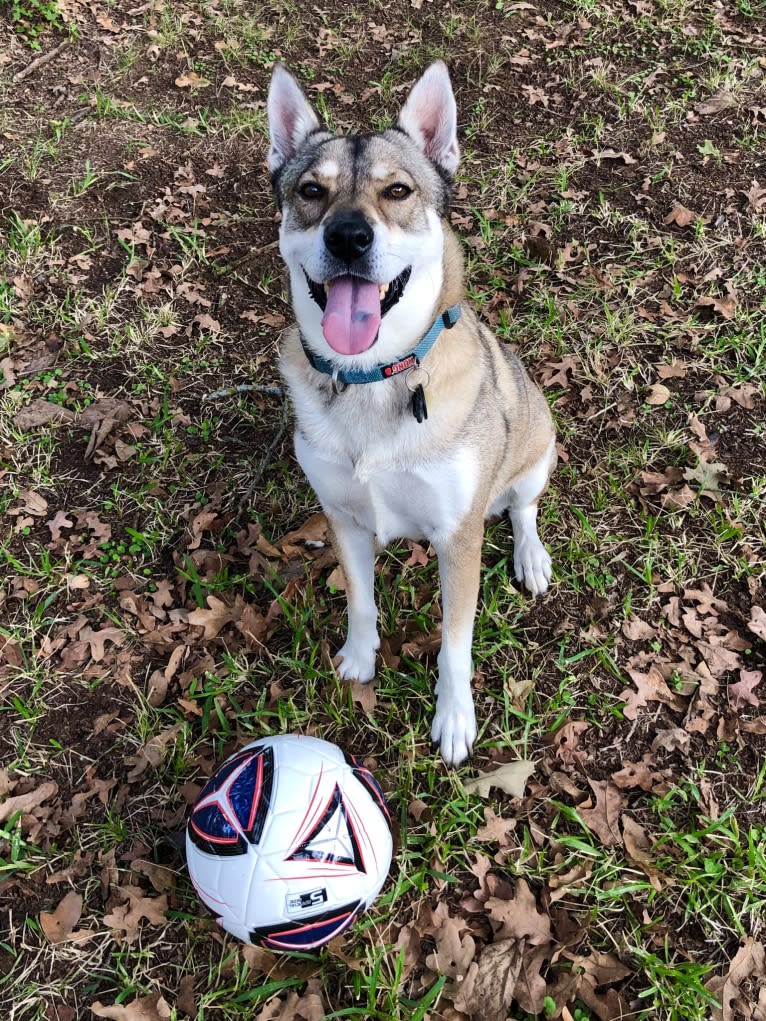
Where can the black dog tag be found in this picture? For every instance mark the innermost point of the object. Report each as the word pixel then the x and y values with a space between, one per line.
pixel 419 407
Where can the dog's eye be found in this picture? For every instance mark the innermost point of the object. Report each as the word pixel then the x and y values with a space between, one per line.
pixel 312 191
pixel 397 191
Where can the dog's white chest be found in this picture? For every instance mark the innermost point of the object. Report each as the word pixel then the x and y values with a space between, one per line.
pixel 424 502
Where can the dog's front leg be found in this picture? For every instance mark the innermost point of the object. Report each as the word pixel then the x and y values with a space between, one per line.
pixel 355 549
pixel 454 725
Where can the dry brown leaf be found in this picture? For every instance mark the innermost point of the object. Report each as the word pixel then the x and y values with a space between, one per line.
pixel 191 80
pixel 519 918
pixel 651 687
pixel 724 307
pixel 39 412
pixel 677 369
pixel 707 475
pixel 592 972
pixel 489 986
pixel 153 752
pixel 741 693
pixel 757 622
pixel 638 630
pixel 671 739
pixel 308 1007
pixel 721 100
pixel 336 580
pixel 145 1008
pixel 511 777
pixel 638 847
pixel 658 394
pixel 25 802
pixel 454 953
pixel 495 830
pixel 603 818
pixel 98 639
pixel 57 522
pixel 422 644
pixel 748 966
pixel 126 918
pixel 59 923
pixel 364 696
pixel 214 619
pixel 612 154
pixel 681 216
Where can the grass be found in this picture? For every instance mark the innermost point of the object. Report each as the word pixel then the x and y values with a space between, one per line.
pixel 114 266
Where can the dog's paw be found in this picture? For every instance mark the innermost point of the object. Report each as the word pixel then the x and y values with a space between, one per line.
pixel 454 730
pixel 356 662
pixel 532 565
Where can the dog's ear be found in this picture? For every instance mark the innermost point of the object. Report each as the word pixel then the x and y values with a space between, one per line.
pixel 430 117
pixel 291 117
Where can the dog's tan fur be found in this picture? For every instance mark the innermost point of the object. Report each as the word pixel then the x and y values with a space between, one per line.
pixel 487 444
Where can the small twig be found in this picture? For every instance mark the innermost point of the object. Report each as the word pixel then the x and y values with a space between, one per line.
pixel 243 388
pixel 266 459
pixel 40 61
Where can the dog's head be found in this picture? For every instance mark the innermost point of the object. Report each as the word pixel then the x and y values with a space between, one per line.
pixel 361 229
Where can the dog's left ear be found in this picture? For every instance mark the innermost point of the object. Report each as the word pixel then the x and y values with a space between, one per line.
pixel 430 117
pixel 291 117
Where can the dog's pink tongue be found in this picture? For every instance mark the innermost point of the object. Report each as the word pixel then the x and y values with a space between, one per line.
pixel 352 315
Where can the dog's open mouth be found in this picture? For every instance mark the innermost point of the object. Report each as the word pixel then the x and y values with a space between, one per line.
pixel 353 308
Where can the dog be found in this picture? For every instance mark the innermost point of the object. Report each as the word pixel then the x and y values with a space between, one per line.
pixel 412 419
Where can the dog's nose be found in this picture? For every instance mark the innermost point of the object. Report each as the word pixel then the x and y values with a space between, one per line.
pixel 348 236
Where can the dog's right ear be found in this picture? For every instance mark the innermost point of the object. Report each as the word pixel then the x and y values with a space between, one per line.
pixel 291 117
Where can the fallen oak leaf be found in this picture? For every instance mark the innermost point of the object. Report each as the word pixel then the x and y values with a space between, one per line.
pixel 723 306
pixel 603 818
pixel 153 752
pixel 757 622
pixel 495 829
pixel 681 216
pixel 612 154
pixel 24 802
pixel 749 963
pixel 191 80
pixel 145 1008
pixel 40 412
pixel 707 474
pixel 308 1007
pixel 214 619
pixel 721 100
pixel 651 687
pixel 58 925
pixel 741 693
pixel 56 523
pixel 126 917
pixel 518 918
pixel 658 394
pixel 488 988
pixel 364 696
pixel 638 630
pixel 511 777
pixel 453 954
pixel 98 639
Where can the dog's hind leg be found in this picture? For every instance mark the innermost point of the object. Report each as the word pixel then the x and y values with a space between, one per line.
pixel 454 725
pixel 355 548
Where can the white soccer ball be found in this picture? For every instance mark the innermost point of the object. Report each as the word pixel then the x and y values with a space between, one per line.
pixel 289 842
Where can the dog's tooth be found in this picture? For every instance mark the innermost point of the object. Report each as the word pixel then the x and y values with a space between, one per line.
pixel 383 290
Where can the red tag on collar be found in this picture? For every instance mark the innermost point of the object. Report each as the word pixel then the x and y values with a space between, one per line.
pixel 396 367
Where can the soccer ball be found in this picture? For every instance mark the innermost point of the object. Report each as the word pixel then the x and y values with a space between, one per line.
pixel 289 842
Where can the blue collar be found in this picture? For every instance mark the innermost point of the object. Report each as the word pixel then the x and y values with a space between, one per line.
pixel 380 372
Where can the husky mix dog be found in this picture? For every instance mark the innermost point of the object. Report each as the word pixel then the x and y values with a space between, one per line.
pixel 412 419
